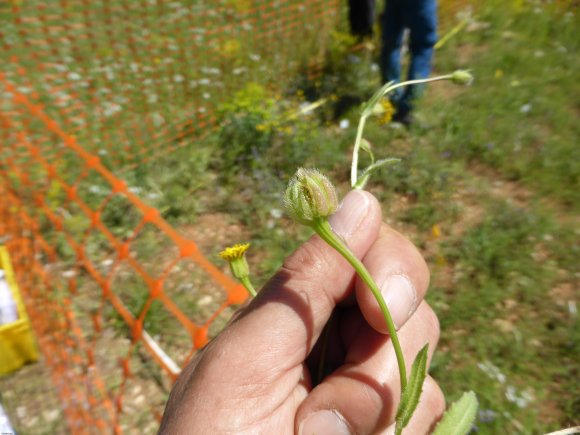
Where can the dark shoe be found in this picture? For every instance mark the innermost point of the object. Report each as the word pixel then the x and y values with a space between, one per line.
pixel 404 118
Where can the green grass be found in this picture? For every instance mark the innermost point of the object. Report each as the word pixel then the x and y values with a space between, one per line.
pixel 501 306
pixel 519 117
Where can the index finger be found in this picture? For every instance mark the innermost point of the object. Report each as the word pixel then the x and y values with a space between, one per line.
pixel 401 274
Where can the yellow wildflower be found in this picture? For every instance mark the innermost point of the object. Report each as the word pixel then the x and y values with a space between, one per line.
pixel 231 47
pixel 234 252
pixel 235 255
pixel 436 231
pixel 384 111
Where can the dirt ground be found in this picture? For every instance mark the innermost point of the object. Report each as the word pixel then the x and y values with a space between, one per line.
pixel 30 401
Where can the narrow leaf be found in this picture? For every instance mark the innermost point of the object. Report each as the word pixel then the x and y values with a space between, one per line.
pixel 362 180
pixel 368 107
pixel 412 392
pixel 459 418
pixel 365 145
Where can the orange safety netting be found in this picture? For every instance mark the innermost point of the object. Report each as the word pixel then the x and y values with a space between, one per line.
pixel 88 89
pixel 128 77
pixel 39 261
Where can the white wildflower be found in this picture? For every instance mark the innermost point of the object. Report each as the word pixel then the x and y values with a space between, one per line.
pixel 492 371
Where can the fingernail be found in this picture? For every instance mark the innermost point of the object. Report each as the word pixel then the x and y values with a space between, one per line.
pixel 351 212
pixel 324 423
pixel 400 296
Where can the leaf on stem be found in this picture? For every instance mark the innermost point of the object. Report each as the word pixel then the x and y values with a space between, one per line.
pixel 365 145
pixel 459 418
pixel 368 107
pixel 364 178
pixel 412 393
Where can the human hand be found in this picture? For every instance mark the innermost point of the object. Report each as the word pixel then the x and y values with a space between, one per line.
pixel 260 374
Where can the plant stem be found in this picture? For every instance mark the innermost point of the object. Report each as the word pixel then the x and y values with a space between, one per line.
pixel 418 82
pixel 248 285
pixel 569 431
pixel 354 166
pixel 366 113
pixel 324 230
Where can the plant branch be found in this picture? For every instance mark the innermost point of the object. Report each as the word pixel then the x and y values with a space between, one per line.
pixel 357 142
pixel 323 229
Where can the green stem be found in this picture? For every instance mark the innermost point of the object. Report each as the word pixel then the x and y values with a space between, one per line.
pixel 354 166
pixel 417 82
pixel 248 285
pixel 324 230
pixel 367 112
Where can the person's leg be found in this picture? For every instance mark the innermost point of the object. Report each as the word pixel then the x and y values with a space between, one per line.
pixel 421 17
pixel 361 14
pixel 392 40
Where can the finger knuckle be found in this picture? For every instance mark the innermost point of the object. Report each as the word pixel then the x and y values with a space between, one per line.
pixel 303 271
pixel 307 261
pixel 433 396
pixel 430 322
pixel 405 258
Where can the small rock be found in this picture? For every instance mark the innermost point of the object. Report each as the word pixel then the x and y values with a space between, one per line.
pixel 139 400
pixel 31 422
pixel 504 325
pixel 50 415
pixel 206 300
pixel 21 412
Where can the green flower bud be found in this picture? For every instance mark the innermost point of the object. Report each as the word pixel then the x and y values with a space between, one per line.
pixel 310 196
pixel 462 77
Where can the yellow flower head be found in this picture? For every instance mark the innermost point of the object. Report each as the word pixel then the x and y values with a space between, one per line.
pixel 235 255
pixel 385 111
pixel 231 47
pixel 234 252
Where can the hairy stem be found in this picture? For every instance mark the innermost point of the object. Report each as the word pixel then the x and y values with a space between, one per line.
pixel 357 142
pixel 366 113
pixel 323 229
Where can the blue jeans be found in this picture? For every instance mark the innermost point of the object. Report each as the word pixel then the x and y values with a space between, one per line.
pixel 420 17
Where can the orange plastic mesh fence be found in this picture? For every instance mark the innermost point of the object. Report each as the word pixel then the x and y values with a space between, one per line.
pixel 126 77
pixel 88 88
pixel 77 274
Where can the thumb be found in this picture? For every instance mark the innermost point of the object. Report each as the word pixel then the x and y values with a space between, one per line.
pixel 281 325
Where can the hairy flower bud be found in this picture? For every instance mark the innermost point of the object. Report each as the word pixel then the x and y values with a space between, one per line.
pixel 462 77
pixel 310 196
